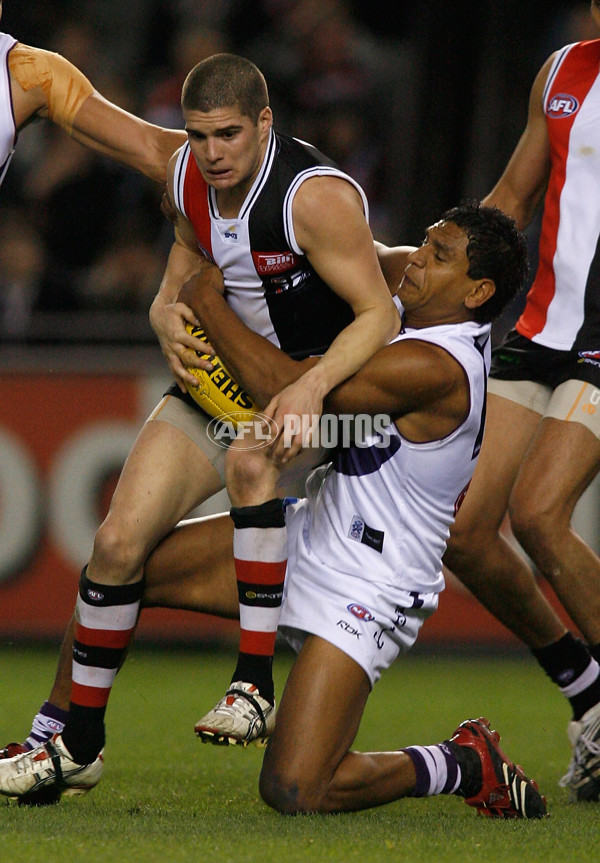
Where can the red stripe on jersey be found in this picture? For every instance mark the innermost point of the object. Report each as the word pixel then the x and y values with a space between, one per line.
pixel 89 696
pixel 195 201
pixel 116 638
pixel 257 643
pixel 259 572
pixel 574 78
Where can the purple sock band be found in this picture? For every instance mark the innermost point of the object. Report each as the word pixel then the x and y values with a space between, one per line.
pixel 452 765
pixel 53 712
pixel 423 778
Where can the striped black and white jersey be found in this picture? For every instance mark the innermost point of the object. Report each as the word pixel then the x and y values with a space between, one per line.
pixel 269 281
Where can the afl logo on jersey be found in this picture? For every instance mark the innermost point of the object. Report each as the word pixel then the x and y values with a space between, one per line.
pixel 562 105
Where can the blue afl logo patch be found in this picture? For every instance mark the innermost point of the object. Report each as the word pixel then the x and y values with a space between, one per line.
pixel 562 105
pixel 360 611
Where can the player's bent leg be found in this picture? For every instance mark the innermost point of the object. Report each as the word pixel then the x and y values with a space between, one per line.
pixel 311 740
pixel 477 553
pixel 246 713
pixel 562 461
pixel 164 477
pixel 308 766
pixel 192 568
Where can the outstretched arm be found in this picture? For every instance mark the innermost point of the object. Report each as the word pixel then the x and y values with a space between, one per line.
pixel 330 228
pixel 414 380
pixel 46 85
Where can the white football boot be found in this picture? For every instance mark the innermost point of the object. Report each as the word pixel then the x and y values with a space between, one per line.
pixel 241 717
pixel 583 776
pixel 46 766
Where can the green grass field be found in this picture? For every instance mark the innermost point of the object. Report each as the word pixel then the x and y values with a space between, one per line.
pixel 166 797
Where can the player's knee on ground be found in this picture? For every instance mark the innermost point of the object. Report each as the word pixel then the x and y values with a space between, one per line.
pixel 287 793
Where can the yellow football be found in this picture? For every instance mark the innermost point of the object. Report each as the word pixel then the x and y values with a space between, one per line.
pixel 217 392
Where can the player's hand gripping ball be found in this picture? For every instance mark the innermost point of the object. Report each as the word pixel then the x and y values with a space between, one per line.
pixel 217 392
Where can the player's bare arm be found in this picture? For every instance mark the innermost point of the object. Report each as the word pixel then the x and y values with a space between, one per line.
pixel 255 363
pixel 523 183
pixel 416 382
pixel 393 261
pixel 331 229
pixel 169 315
pixel 120 135
pixel 45 85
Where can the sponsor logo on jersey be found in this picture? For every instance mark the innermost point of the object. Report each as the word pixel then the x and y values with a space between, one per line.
pixel 357 528
pixel 360 531
pixel 231 233
pixel 360 611
pixel 591 357
pixel 562 105
pixel 268 263
pixel 95 595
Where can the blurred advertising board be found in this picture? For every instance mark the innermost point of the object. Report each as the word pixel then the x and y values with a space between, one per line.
pixel 64 436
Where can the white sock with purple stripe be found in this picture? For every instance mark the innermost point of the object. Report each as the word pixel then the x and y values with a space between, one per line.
pixel 436 768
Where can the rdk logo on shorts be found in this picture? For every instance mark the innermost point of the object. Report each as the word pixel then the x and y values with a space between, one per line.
pixel 562 105
pixel 347 627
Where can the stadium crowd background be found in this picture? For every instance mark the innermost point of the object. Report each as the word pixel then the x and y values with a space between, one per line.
pixel 421 103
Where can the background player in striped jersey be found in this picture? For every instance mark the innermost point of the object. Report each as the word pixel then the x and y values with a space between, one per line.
pixel 430 382
pixel 541 447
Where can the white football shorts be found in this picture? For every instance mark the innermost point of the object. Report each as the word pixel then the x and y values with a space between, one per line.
pixel 369 621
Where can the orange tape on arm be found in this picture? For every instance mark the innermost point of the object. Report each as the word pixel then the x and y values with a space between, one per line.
pixel 65 88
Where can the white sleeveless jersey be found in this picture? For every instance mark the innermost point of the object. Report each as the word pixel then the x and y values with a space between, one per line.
pixel 8 132
pixel 383 512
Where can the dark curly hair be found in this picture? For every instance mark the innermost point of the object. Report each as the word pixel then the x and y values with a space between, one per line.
pixel 497 250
